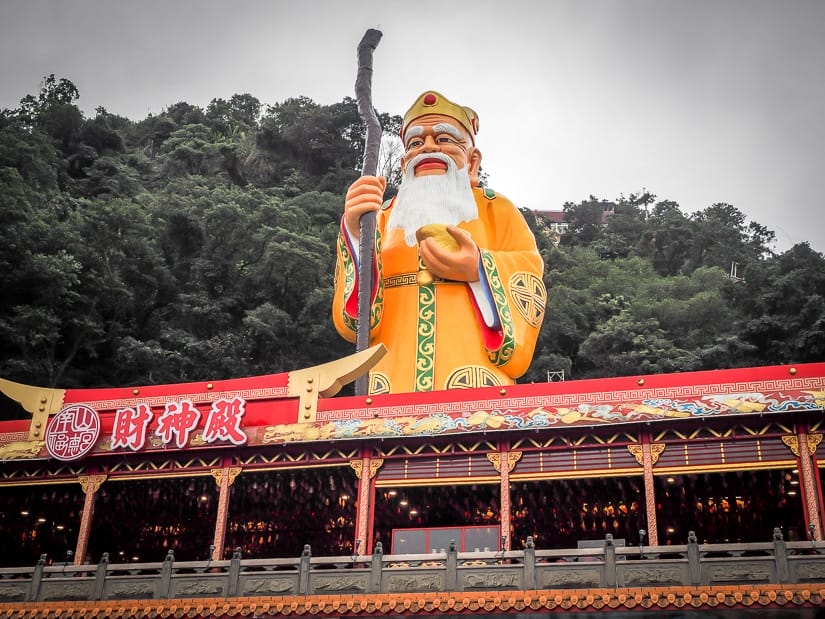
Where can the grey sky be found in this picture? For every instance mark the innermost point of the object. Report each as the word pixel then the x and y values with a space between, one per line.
pixel 697 101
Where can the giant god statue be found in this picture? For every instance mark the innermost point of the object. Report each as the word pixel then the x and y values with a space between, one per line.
pixel 458 297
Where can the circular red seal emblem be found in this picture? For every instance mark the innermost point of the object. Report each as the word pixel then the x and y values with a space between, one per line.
pixel 73 432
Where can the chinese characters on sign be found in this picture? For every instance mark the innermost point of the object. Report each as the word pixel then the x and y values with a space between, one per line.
pixel 130 427
pixel 177 422
pixel 224 422
pixel 72 433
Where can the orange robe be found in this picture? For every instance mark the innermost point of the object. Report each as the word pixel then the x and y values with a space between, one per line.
pixel 434 333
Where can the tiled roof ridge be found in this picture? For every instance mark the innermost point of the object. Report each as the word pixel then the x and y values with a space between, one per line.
pixel 421 604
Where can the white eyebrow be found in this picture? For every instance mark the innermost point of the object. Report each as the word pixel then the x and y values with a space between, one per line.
pixel 448 128
pixel 417 130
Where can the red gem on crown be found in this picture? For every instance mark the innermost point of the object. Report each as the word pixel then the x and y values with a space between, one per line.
pixel 429 99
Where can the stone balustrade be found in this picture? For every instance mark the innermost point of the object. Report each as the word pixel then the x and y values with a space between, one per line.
pixel 608 566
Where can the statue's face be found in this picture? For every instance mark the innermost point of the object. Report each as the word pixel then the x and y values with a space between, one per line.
pixel 436 133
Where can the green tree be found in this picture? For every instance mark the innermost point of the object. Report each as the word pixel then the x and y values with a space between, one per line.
pixel 240 113
pixel 668 239
pixel 585 221
pixel 53 93
pixel 624 225
pixel 625 345
pixel 721 238
pixel 784 300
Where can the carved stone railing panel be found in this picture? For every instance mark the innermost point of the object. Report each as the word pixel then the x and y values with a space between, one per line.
pixel 651 573
pixel 564 576
pixel 267 583
pixel 755 570
pixel 337 582
pixel 806 569
pixel 131 588
pixel 53 589
pixel 14 592
pixel 198 586
pixel 413 580
pixel 493 578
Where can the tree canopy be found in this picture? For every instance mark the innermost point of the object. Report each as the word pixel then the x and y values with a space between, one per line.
pixel 199 243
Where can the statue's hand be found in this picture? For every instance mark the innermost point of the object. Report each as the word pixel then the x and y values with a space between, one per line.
pixel 364 195
pixel 459 265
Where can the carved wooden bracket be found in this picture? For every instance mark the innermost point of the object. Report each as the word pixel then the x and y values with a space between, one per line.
pixel 91 483
pixel 656 450
pixel 232 471
pixel 512 458
pixel 358 466
pixel 792 443
pixel 637 451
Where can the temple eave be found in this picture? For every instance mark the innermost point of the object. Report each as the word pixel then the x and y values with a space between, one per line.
pixel 646 599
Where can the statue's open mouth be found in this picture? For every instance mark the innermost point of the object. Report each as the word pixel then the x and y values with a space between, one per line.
pixel 431 163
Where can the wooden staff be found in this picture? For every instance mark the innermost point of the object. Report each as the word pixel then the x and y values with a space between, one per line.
pixel 366 243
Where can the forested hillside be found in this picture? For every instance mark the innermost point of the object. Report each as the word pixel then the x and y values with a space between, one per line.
pixel 199 243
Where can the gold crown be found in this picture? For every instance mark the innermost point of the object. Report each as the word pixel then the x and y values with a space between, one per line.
pixel 432 102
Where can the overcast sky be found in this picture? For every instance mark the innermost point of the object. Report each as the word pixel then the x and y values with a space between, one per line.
pixel 697 101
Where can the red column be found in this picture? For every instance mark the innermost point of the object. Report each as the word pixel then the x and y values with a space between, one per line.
pixel 817 438
pixel 224 478
pixel 806 447
pixel 365 469
pixel 91 484
pixel 647 454
pixel 505 461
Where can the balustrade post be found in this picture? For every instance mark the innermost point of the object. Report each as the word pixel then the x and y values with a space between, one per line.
pixel 530 564
pixel 165 588
pixel 37 577
pixel 451 583
pixel 376 568
pixel 100 577
pixel 694 570
pixel 234 573
pixel 780 555
pixel 609 561
pixel 303 578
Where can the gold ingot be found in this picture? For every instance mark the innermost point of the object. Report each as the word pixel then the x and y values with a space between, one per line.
pixel 424 278
pixel 439 233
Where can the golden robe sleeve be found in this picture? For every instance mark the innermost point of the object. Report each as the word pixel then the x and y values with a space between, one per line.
pixel 513 270
pixel 345 299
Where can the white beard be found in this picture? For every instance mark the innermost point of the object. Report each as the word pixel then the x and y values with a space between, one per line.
pixel 432 199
